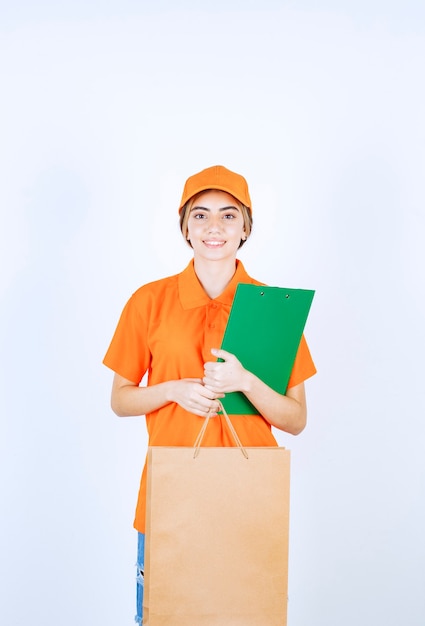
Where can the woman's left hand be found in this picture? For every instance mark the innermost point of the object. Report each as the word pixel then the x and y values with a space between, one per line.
pixel 288 412
pixel 226 376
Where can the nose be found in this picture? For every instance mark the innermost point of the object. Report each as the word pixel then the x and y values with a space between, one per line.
pixel 214 223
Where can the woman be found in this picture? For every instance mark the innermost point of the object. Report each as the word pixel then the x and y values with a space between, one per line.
pixel 172 329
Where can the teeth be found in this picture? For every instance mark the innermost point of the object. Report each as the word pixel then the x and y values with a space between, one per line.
pixel 214 243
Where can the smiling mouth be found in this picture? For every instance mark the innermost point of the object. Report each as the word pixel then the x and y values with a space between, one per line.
pixel 213 244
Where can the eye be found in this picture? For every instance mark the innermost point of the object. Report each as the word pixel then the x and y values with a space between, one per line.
pixel 229 216
pixel 198 215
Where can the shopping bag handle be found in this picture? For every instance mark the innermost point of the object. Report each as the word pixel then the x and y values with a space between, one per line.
pixel 235 435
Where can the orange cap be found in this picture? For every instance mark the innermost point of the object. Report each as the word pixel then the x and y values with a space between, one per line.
pixel 217 177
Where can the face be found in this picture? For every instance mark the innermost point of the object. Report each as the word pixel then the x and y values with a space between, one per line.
pixel 215 226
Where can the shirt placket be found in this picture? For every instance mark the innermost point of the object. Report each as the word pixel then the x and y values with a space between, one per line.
pixel 213 329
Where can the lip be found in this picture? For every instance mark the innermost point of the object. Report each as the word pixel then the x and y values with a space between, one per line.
pixel 213 243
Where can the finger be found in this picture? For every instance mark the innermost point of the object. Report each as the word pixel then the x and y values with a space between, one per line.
pixel 212 366
pixel 222 354
pixel 208 392
pixel 216 394
pixel 205 411
pixel 213 410
pixel 210 384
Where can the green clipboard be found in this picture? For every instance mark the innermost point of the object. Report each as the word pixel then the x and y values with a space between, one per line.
pixel 264 331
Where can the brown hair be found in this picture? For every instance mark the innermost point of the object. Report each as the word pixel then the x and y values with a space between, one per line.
pixel 185 213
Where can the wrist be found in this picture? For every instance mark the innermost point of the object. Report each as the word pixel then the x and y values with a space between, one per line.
pixel 169 389
pixel 248 382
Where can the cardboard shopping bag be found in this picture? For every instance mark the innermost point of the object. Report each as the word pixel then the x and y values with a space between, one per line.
pixel 216 551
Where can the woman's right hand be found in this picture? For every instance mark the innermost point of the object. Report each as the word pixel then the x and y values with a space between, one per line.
pixel 128 398
pixel 192 395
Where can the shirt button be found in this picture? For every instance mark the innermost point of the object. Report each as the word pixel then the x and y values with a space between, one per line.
pixel 213 306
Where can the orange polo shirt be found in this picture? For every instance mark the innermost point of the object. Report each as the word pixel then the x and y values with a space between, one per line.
pixel 167 329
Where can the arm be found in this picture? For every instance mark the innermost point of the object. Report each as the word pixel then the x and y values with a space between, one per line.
pixel 286 412
pixel 128 399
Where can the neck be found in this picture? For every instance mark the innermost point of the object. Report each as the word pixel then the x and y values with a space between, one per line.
pixel 214 277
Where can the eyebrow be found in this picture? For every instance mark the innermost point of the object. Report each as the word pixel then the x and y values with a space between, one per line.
pixel 203 208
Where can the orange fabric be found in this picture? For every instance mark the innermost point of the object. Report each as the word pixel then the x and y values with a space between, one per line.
pixel 168 328
pixel 217 177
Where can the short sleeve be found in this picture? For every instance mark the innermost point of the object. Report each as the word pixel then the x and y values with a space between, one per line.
pixel 128 353
pixel 303 365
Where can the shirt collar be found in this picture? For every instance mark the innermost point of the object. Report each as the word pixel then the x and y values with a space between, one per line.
pixel 192 294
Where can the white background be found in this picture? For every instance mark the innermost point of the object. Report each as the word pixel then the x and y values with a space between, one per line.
pixel 105 109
